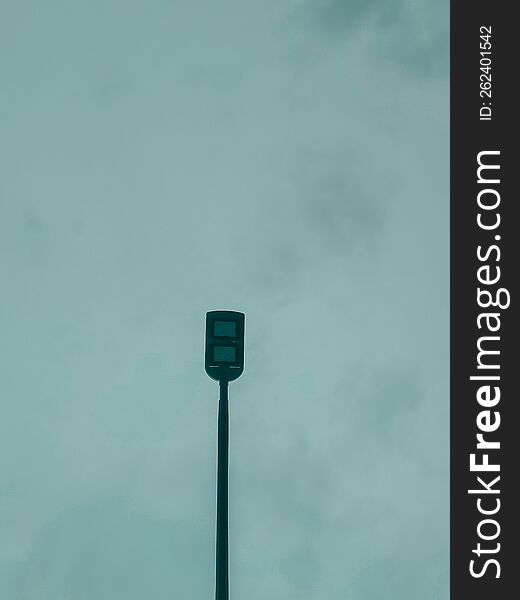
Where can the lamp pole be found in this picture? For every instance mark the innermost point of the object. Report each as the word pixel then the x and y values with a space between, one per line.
pixel 222 568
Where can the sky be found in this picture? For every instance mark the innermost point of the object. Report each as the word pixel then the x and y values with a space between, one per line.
pixel 288 159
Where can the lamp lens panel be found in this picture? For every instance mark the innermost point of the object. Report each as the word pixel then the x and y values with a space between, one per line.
pixel 225 329
pixel 224 354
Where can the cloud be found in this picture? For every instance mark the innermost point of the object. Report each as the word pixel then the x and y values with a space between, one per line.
pixel 108 551
pixel 412 35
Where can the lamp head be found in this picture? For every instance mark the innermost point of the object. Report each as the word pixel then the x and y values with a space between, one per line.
pixel 224 358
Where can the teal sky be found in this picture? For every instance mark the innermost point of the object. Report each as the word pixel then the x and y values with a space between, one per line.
pixel 285 158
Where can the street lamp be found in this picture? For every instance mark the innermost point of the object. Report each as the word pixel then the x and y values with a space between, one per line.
pixel 224 362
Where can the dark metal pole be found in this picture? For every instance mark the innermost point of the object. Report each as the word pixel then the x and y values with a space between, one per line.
pixel 222 569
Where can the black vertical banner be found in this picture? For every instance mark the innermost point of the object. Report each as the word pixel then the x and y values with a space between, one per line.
pixel 485 250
